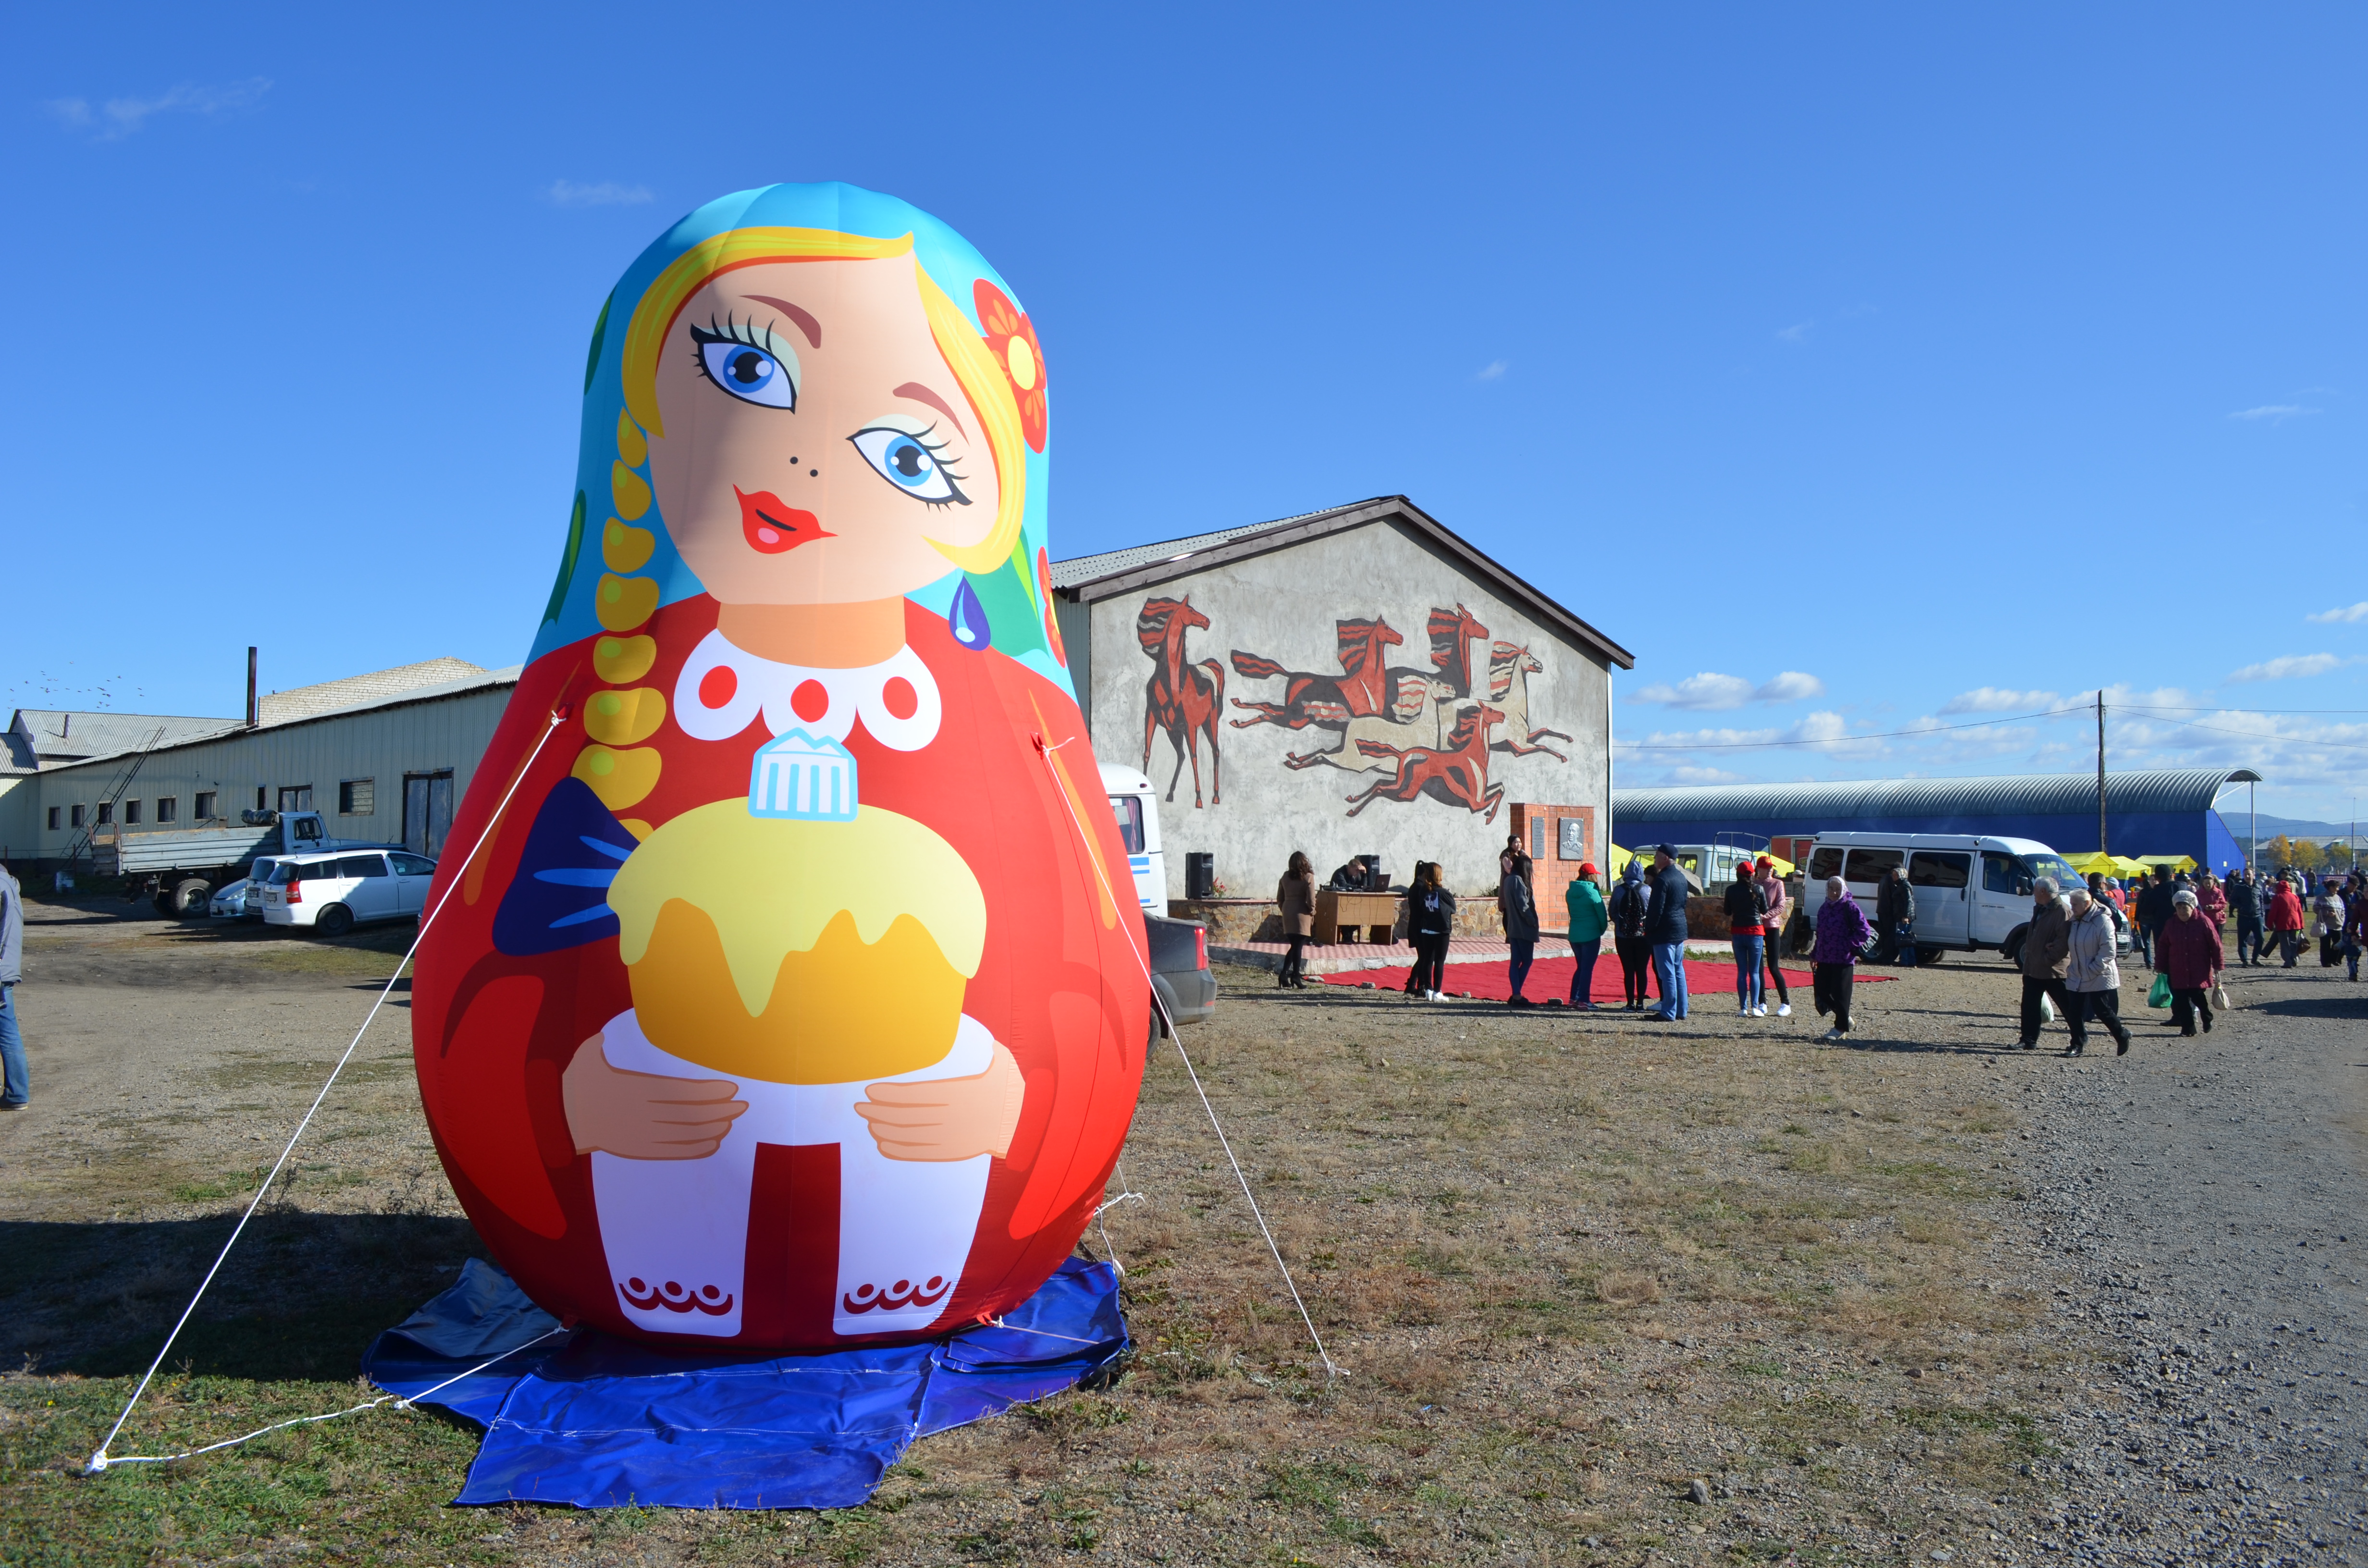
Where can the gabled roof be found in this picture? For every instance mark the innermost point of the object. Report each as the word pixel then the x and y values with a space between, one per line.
pixel 2028 794
pixel 49 737
pixel 1089 578
pixel 483 679
pixel 328 696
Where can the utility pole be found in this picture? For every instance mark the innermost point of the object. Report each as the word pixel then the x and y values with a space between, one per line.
pixel 2253 844
pixel 2100 771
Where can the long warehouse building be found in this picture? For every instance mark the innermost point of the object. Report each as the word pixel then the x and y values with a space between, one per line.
pixel 2148 812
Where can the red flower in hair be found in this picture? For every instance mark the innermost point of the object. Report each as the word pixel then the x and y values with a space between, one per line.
pixel 1011 339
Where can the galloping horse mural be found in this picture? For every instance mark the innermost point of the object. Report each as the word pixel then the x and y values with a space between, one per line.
pixel 1430 729
pixel 1456 775
pixel 1181 697
pixel 1509 669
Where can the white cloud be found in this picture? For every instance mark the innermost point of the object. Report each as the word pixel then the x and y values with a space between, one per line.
pixel 2275 412
pixel 1705 692
pixel 1788 686
pixel 118 117
pixel 2287 667
pixel 1711 692
pixel 608 193
pixel 1702 775
pixel 1999 699
pixel 1797 333
pixel 1492 372
pixel 2331 617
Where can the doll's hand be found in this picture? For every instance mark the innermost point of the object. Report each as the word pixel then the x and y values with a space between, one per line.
pixel 948 1119
pixel 644 1116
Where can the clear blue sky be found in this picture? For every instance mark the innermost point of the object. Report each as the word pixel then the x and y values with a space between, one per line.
pixel 1860 368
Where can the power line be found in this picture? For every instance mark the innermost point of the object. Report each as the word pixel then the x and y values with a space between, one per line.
pixel 2258 736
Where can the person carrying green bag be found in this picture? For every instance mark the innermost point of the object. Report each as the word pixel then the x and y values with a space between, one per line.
pixel 2158 995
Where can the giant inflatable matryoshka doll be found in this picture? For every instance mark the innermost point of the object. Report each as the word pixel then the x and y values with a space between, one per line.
pixel 794 999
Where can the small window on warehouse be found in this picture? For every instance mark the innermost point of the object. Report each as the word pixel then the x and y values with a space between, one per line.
pixel 79 812
pixel 105 813
pixel 262 797
pixel 54 814
pixel 358 798
pixel 205 805
pixel 168 809
pixel 295 797
pixel 131 813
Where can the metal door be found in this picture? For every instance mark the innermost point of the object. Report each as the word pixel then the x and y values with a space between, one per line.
pixel 426 811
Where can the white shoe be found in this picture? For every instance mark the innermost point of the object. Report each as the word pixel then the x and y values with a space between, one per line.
pixel 1784 1009
pixel 1833 1034
pixel 1743 1012
pixel 1761 1011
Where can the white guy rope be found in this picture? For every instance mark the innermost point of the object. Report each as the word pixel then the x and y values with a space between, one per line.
pixel 1176 1037
pixel 99 1462
pixel 398 1401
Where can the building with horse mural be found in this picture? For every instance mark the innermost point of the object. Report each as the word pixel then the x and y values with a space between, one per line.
pixel 1356 681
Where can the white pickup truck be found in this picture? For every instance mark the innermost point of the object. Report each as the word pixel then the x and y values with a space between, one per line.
pixel 182 866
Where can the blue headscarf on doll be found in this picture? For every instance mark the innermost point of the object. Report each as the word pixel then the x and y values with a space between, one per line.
pixel 1002 604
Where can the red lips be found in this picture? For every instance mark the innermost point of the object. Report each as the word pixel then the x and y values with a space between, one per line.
pixel 772 526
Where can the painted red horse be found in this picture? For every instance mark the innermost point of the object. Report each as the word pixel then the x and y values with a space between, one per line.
pixel 1182 697
pixel 1456 775
pixel 1361 689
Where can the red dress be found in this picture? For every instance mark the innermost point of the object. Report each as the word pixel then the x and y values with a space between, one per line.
pixel 1059 983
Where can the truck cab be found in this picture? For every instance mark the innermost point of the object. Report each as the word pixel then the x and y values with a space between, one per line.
pixel 1136 807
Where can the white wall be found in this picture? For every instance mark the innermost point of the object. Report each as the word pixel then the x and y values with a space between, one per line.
pixel 1283 606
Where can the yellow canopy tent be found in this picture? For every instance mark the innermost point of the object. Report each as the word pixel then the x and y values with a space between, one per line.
pixel 1619 858
pixel 2096 860
pixel 1783 868
pixel 2176 862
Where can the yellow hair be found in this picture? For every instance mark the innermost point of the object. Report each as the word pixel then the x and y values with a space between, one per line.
pixel 982 380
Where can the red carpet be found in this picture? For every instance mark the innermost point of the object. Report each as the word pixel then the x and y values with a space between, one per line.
pixel 1707 984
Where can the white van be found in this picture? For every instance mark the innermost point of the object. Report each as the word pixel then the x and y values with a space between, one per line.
pixel 1971 891
pixel 1137 809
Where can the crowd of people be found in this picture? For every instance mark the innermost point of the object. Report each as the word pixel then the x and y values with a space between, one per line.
pixel 2069 958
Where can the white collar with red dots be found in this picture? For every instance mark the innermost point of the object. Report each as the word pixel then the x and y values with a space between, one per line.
pixel 722 688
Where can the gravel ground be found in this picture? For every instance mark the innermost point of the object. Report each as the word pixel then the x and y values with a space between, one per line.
pixel 2206 1202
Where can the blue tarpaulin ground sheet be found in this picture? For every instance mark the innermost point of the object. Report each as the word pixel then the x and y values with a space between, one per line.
pixel 588 1419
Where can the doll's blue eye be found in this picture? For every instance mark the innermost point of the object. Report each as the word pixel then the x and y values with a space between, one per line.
pixel 907 461
pixel 747 372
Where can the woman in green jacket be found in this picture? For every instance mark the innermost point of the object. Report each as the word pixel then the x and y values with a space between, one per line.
pixel 1584 899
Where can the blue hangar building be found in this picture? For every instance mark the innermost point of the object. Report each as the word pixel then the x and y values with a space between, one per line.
pixel 2150 811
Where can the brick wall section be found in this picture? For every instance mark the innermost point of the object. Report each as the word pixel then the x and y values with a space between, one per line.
pixel 1556 852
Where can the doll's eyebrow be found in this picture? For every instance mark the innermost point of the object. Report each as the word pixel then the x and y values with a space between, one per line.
pixel 806 324
pixel 920 393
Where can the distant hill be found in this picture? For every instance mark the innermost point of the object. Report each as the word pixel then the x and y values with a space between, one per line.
pixel 2292 827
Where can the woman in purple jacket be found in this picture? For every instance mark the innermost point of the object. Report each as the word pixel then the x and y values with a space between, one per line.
pixel 1842 930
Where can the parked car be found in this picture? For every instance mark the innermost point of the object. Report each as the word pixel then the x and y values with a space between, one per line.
pixel 333 894
pixel 1971 891
pixel 230 900
pixel 1180 969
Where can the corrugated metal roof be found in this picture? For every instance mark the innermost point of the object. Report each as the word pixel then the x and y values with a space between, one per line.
pixel 2028 794
pixel 1086 568
pixel 330 696
pixel 507 676
pixel 54 735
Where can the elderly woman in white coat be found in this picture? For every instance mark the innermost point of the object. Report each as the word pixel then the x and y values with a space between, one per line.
pixel 2092 976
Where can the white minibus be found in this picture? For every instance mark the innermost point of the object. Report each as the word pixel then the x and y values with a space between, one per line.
pixel 1971 891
